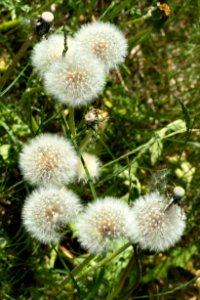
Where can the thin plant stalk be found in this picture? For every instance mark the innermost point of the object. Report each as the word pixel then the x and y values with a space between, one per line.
pixel 134 260
pixel 71 122
pixel 86 140
pixel 143 148
pixel 105 260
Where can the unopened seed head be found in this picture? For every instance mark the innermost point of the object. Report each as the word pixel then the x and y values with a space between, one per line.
pixel 103 223
pixel 47 16
pixel 48 158
pixel 47 211
pixel 178 191
pixel 153 227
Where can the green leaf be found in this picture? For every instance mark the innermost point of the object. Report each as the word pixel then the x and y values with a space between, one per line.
pixel 4 151
pixel 179 257
pixel 155 151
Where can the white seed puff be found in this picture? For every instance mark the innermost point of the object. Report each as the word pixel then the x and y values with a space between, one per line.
pixel 93 165
pixel 48 158
pixel 153 227
pixel 104 222
pixel 46 52
pixel 104 40
pixel 75 79
pixel 47 210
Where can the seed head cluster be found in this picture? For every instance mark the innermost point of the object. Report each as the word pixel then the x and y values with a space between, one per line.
pixel 78 77
pixel 49 161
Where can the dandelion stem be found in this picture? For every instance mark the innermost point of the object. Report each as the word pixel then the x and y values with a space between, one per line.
pixel 105 260
pixel 139 268
pixel 53 256
pixel 71 121
pixel 94 194
pixel 139 273
pixel 86 140
pixel 65 40
pixel 122 278
pixel 80 267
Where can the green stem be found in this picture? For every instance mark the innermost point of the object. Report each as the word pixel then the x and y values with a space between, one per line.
pixel 53 256
pixel 13 82
pixel 9 24
pixel 92 188
pixel 122 278
pixel 168 292
pixel 80 267
pixel 65 40
pixel 142 18
pixel 105 146
pixel 71 122
pixel 86 140
pixel 139 268
pixel 143 148
pixel 105 260
pixel 134 260
pixel 138 276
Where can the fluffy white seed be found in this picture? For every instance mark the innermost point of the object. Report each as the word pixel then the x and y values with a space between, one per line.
pixel 48 158
pixel 153 227
pixel 46 52
pixel 47 211
pixel 104 40
pixel 75 79
pixel 93 165
pixel 104 222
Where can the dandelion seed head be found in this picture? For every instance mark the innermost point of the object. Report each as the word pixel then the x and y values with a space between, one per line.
pixel 93 165
pixel 47 210
pixel 154 228
pixel 104 222
pixel 47 16
pixel 47 51
pixel 48 158
pixel 75 79
pixel 178 191
pixel 104 40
